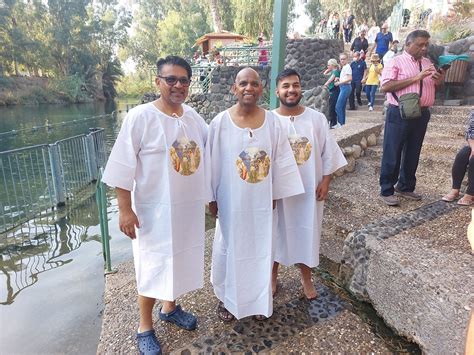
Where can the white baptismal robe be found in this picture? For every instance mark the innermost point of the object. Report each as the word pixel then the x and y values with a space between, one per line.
pixel 249 169
pixel 161 158
pixel 300 217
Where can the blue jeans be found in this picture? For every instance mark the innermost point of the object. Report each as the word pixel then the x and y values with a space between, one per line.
pixel 370 90
pixel 344 92
pixel 401 150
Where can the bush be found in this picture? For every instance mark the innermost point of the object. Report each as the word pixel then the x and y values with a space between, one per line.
pixel 70 88
pixel 135 85
pixel 6 82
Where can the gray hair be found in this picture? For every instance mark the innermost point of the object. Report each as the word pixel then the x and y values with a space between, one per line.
pixel 416 34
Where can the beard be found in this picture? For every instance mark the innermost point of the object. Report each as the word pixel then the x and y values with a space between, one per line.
pixel 290 104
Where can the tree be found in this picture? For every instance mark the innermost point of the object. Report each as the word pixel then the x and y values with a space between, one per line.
pixel 313 10
pixel 253 17
pixel 216 18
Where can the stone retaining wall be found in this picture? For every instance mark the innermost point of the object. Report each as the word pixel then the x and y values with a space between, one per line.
pixel 354 150
pixel 309 56
pixel 219 97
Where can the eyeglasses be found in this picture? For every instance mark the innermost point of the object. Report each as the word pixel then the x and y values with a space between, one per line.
pixel 172 80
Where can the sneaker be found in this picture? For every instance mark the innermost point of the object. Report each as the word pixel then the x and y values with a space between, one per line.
pixel 337 125
pixel 371 108
pixel 408 194
pixel 390 200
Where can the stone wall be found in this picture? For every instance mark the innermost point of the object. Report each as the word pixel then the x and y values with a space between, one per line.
pixel 309 57
pixel 219 97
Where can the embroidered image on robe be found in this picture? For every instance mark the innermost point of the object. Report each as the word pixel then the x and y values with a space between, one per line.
pixel 185 156
pixel 253 165
pixel 301 148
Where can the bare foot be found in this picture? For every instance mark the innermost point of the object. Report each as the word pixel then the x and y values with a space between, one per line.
pixel 274 278
pixel 451 196
pixel 466 200
pixel 309 289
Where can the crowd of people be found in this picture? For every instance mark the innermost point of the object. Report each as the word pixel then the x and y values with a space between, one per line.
pixel 346 81
pixel 264 174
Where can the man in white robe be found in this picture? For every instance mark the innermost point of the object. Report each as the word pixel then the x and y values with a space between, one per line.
pixel 161 199
pixel 240 140
pixel 300 217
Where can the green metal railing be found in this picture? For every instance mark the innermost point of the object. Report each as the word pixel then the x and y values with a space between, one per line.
pixel 101 198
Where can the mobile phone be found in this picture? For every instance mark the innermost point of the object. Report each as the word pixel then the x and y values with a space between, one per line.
pixel 444 67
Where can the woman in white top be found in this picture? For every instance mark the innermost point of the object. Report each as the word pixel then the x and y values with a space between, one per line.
pixel 344 84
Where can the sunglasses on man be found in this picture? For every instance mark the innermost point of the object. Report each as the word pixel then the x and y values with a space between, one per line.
pixel 172 80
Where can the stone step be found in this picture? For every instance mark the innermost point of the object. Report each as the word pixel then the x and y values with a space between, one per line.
pixel 463 111
pixel 426 265
pixel 437 145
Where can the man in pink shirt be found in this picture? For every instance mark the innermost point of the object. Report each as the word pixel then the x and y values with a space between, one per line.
pixel 410 72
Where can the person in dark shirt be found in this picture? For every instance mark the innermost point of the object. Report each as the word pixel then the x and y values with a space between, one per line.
pixel 348 26
pixel 359 69
pixel 360 44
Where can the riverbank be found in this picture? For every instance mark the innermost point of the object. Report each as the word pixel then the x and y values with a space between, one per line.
pixel 40 90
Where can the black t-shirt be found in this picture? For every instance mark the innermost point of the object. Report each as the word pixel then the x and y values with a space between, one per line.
pixel 359 44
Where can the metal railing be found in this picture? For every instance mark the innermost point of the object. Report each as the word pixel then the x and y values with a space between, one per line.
pixel 230 56
pixel 39 178
pixel 51 126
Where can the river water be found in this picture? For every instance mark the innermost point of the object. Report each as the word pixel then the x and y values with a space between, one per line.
pixel 52 279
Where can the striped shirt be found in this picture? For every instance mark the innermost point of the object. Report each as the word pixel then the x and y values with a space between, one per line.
pixel 403 67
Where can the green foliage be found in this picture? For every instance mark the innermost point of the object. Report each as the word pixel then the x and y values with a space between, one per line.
pixel 62 38
pixel 445 30
pixel 370 10
pixel 253 17
pixel 5 82
pixel 313 10
pixel 70 88
pixel 166 27
pixel 135 85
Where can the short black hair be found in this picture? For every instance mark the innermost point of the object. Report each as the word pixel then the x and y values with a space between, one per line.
pixel 416 34
pixel 174 60
pixel 286 73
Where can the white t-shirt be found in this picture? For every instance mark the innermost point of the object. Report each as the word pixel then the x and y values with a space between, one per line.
pixel 345 73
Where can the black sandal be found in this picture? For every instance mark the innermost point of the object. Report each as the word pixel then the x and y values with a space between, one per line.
pixel 223 314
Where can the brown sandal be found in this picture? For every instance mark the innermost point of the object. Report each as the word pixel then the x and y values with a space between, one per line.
pixel 259 317
pixel 223 314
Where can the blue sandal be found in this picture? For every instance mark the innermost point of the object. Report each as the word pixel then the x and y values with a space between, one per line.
pixel 148 344
pixel 181 318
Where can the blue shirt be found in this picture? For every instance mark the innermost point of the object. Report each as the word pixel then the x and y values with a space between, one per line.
pixel 358 67
pixel 383 41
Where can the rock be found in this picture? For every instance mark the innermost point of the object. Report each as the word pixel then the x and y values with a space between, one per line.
pixel 339 172
pixel 363 143
pixel 357 151
pixel 350 167
pixel 371 140
pixel 348 151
